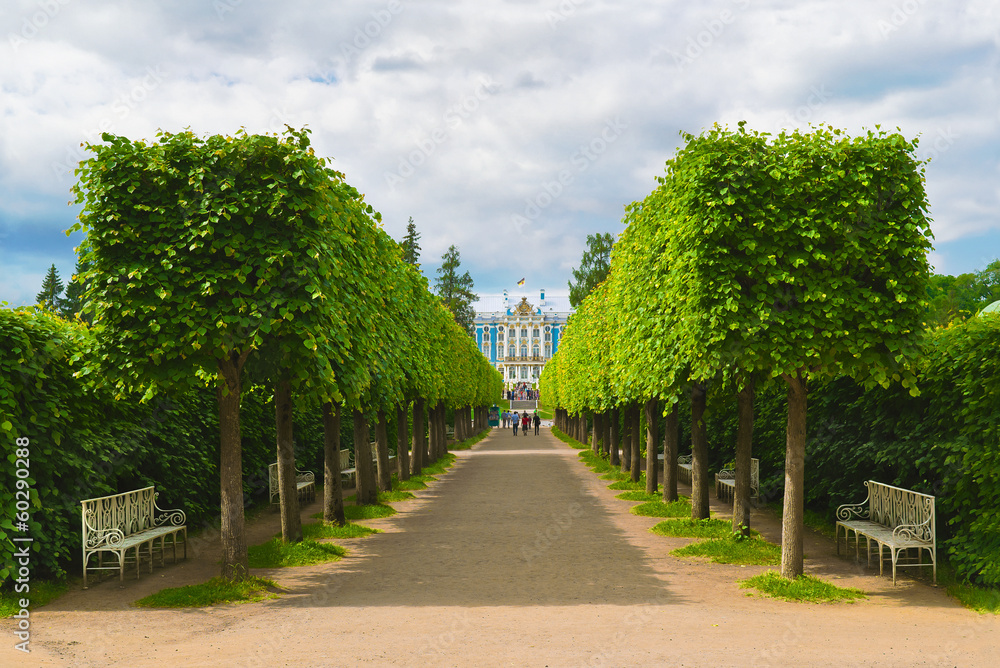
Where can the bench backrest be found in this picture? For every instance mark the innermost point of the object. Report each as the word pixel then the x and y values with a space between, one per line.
pixel 345 459
pixel 109 519
pixel 894 506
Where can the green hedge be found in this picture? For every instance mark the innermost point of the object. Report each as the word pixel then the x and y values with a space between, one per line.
pixel 945 442
pixel 84 443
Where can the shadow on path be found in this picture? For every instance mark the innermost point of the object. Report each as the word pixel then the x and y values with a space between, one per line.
pixel 512 524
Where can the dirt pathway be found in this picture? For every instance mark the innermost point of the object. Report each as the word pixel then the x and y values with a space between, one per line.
pixel 519 556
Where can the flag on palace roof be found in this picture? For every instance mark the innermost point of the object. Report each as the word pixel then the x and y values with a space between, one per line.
pixel 520 283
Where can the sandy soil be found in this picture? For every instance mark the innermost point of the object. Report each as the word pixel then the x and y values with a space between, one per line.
pixel 519 556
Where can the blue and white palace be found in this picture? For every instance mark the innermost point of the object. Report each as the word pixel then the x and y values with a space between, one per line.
pixel 519 336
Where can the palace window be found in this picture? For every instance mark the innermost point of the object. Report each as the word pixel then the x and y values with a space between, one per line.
pixel 500 334
pixel 524 351
pixel 512 351
pixel 534 372
pixel 524 332
pixel 513 372
pixel 486 349
pixel 524 372
pixel 548 350
pixel 548 336
pixel 534 351
pixel 534 332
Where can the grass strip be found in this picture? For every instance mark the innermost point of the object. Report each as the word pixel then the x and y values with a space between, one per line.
pixel 804 588
pixel 679 508
pixel 571 442
pixel 411 484
pixel 639 495
pixel 321 530
pixel 394 496
pixel 981 599
pixel 42 592
pixel 216 590
pixel 628 484
pixel 688 528
pixel 734 550
pixel 368 512
pixel 277 554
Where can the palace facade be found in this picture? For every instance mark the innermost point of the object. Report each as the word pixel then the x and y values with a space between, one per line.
pixel 519 337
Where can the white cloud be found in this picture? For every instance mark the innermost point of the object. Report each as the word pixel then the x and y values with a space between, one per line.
pixel 387 85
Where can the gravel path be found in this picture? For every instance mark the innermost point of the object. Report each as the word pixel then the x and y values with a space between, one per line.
pixel 519 556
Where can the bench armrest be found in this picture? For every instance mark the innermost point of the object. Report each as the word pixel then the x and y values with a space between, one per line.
pixel 921 532
pixel 726 474
pixel 848 511
pixel 305 476
pixel 172 516
pixel 103 538
pixel 684 459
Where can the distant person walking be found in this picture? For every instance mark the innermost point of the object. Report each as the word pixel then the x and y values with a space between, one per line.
pixel 515 420
pixel 525 420
pixel 538 422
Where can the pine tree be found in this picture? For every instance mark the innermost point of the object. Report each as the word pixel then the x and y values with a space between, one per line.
pixel 456 290
pixel 52 287
pixel 594 267
pixel 73 303
pixel 411 247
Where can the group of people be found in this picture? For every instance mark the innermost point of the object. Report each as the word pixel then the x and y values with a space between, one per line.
pixel 522 392
pixel 524 420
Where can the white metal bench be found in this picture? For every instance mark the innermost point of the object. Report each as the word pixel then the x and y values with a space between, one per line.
pixel 305 483
pixel 130 522
pixel 684 468
pixel 896 518
pixel 347 469
pixel 725 482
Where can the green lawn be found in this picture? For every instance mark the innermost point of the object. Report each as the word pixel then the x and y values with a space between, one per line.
pixel 734 550
pixel 209 593
pixel 803 588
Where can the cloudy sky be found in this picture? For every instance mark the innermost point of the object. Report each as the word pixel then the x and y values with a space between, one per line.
pixel 510 128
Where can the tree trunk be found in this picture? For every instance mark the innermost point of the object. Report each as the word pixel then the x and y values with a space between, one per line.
pixel 382 452
pixel 652 443
pixel 626 440
pixel 437 433
pixel 583 428
pixel 699 451
pixel 291 522
pixel 795 458
pixel 417 464
pixel 613 429
pixel 367 492
pixel 234 541
pixel 744 452
pixel 595 445
pixel 333 491
pixel 635 435
pixel 424 435
pixel 670 456
pixel 402 442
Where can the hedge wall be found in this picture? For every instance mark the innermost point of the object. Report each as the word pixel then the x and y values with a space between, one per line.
pixel 84 443
pixel 945 442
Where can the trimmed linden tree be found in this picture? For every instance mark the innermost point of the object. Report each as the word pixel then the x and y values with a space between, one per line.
pixel 203 250
pixel 803 256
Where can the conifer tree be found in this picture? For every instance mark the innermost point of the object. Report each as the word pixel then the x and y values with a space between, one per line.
pixel 52 287
pixel 411 245
pixel 455 290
